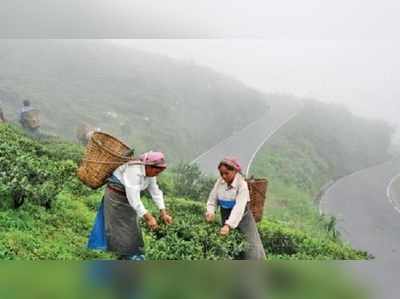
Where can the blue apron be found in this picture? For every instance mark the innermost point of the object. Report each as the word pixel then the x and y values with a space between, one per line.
pixel 226 203
pixel 97 239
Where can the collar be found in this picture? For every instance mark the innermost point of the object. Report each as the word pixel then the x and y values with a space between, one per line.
pixel 235 182
pixel 140 166
pixel 143 170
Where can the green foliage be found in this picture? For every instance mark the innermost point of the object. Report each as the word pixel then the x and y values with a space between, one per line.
pixel 29 170
pixel 59 149
pixel 191 238
pixel 151 102
pixel 189 182
pixel 37 171
pixel 292 162
pixel 321 143
pixel 342 140
pixel 35 233
pixel 287 243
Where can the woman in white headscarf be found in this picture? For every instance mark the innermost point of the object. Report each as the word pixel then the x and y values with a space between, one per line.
pixel 122 207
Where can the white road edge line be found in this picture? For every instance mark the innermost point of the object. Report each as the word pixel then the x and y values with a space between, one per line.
pixel 345 177
pixel 389 195
pixel 266 139
pixel 227 138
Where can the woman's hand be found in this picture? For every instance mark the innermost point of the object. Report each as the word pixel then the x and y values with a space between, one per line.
pixel 225 230
pixel 150 221
pixel 165 217
pixel 210 217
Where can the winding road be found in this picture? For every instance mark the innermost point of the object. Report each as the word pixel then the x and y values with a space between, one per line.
pixel 245 144
pixel 366 205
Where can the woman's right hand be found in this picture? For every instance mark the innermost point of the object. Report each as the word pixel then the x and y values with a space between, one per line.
pixel 210 217
pixel 150 221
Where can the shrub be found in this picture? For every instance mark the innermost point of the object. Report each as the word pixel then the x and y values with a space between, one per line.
pixel 30 170
pixel 189 182
pixel 284 242
pixel 191 238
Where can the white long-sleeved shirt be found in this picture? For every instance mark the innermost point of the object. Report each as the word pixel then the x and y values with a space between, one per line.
pixel 133 176
pixel 235 196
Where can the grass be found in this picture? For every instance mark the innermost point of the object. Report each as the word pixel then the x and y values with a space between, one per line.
pixel 295 174
pixel 37 231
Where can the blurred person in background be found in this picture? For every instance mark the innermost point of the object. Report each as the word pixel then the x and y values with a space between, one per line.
pixel 84 132
pixel 29 119
pixel 231 195
pixel 2 118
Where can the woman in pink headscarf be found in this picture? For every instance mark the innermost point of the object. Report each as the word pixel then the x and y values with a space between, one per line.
pixel 231 195
pixel 122 207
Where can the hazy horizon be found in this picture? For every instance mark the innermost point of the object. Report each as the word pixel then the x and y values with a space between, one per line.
pixel 357 74
pixel 342 51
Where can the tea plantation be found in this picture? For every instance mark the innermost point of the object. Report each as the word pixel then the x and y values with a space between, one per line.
pixel 47 214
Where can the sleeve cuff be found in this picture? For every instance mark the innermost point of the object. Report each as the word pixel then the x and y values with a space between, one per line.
pixel 159 201
pixel 211 210
pixel 161 206
pixel 141 213
pixel 231 225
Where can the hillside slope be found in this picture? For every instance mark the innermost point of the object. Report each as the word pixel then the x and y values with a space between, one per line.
pixel 151 101
pixel 322 143
pixel 55 217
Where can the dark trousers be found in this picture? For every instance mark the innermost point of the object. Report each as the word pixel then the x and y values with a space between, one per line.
pixel 248 227
pixel 123 233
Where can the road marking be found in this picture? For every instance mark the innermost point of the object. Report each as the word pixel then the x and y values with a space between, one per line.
pixel 227 138
pixel 321 208
pixel 266 139
pixel 389 193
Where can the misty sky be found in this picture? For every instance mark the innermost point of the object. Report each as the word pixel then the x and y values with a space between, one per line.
pixel 363 75
pixel 344 51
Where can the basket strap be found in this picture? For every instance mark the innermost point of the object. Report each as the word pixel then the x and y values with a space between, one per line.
pixel 104 162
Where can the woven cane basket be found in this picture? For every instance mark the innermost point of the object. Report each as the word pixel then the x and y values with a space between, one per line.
pixel 258 190
pixel 104 153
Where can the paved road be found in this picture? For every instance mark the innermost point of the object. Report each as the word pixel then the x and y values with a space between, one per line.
pixel 367 207
pixel 245 143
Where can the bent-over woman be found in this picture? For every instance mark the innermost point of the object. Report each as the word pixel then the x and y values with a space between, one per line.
pixel 231 195
pixel 117 227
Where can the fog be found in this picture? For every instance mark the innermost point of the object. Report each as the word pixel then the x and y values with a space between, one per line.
pixel 362 75
pixel 341 51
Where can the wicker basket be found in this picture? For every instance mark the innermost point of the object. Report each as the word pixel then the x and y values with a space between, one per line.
pixel 31 119
pixel 104 153
pixel 258 190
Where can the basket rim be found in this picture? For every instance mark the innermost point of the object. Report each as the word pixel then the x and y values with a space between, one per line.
pixel 257 179
pixel 106 148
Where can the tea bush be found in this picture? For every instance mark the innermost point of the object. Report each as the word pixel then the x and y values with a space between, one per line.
pixel 191 238
pixel 58 212
pixel 287 243
pixel 34 170
pixel 189 182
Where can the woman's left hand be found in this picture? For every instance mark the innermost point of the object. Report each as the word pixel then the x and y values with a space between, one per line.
pixel 225 230
pixel 165 217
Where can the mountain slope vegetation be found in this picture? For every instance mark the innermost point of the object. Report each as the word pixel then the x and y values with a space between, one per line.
pixel 322 143
pixel 151 101
pixel 57 212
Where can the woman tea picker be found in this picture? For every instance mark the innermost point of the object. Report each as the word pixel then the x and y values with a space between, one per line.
pixel 231 194
pixel 117 227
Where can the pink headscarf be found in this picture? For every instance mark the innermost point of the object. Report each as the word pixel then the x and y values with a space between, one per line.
pixel 232 161
pixel 153 159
